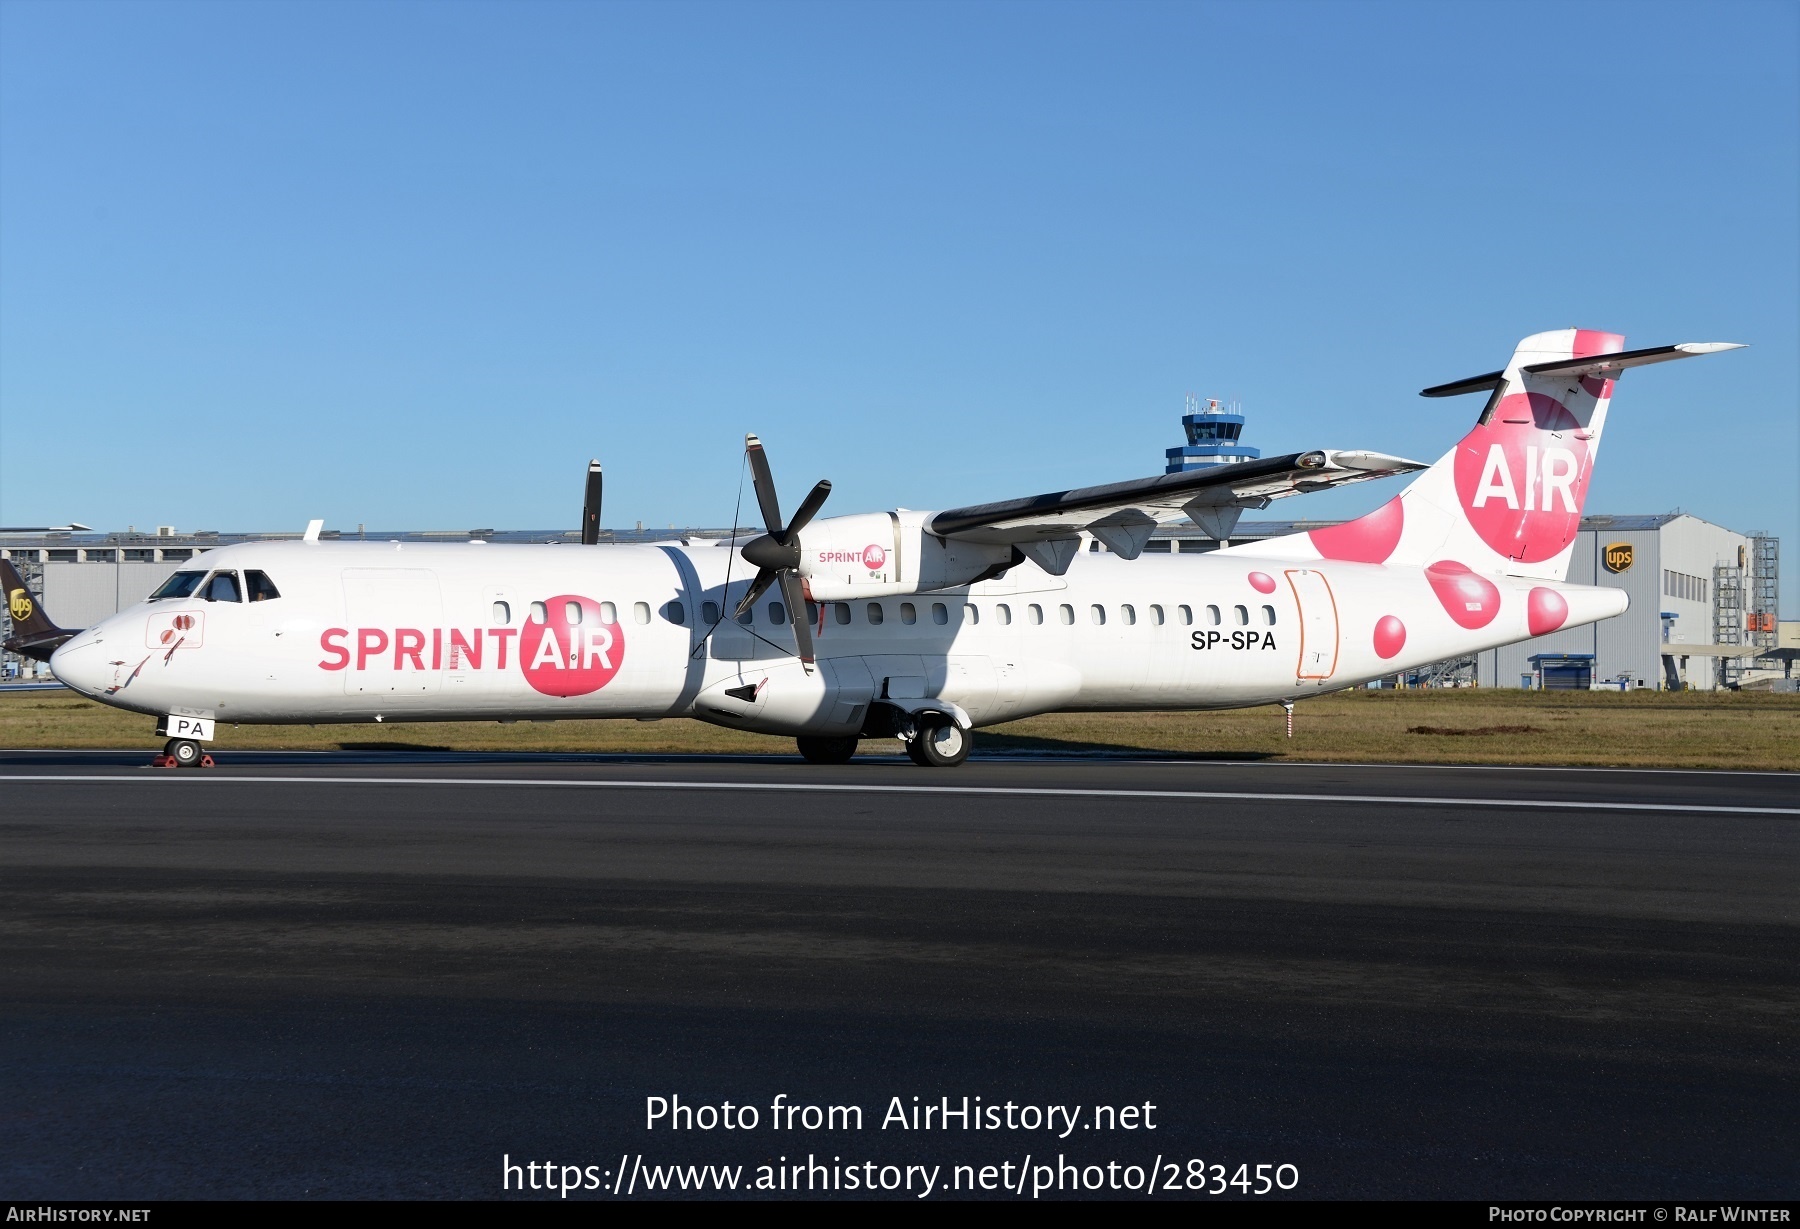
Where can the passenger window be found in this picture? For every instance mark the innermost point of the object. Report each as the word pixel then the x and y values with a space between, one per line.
pixel 502 613
pixel 1243 616
pixel 1187 614
pixel 1066 613
pixel 1036 613
pixel 908 614
pixel 675 613
pixel 1097 613
pixel 1269 615
pixel 1003 614
pixel 1156 615
pixel 876 615
pixel 709 613
pixel 940 614
pixel 262 589
pixel 181 584
pixel 777 614
pixel 1127 615
pixel 970 613
pixel 748 617
pixel 572 613
pixel 539 615
pixel 640 612
pixel 223 587
pixel 841 612
pixel 1212 616
pixel 609 613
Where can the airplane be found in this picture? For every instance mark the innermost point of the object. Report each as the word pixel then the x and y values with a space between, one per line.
pixel 917 625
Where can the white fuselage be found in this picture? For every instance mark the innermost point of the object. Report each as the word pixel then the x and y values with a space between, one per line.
pixel 437 632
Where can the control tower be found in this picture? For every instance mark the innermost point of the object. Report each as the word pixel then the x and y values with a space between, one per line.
pixel 1212 438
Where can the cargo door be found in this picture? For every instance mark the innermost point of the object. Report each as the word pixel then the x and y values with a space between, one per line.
pixel 1318 624
pixel 395 618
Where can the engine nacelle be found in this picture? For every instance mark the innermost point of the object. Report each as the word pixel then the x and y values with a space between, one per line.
pixel 880 554
pixel 785 698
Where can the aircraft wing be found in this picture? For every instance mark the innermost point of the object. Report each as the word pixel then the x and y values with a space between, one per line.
pixel 1122 514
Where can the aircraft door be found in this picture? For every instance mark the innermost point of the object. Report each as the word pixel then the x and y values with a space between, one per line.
pixel 1318 624
pixel 395 618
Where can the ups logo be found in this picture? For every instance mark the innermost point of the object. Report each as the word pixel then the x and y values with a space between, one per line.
pixel 1617 556
pixel 18 602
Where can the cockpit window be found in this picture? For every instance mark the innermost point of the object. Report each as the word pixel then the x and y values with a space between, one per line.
pixel 180 584
pixel 262 589
pixel 223 587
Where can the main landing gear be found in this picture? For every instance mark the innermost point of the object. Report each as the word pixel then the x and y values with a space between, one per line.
pixel 182 753
pixel 939 744
pixel 934 744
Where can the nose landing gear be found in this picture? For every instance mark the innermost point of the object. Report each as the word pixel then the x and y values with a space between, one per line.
pixel 182 753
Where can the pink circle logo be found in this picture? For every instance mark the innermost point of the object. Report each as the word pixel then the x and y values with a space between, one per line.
pixel 1262 582
pixel 572 652
pixel 874 557
pixel 1523 475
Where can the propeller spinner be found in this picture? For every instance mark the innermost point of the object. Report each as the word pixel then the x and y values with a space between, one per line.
pixel 776 553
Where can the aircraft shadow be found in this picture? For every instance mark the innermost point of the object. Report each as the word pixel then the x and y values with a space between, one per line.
pixel 990 743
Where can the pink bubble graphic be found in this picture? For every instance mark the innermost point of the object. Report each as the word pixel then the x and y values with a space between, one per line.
pixel 1545 611
pixel 1367 539
pixel 1471 600
pixel 1390 637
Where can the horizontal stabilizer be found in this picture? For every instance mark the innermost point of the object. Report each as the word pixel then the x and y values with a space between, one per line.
pixel 1606 364
pixel 1597 364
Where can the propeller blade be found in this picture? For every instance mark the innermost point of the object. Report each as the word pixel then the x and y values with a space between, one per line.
pixel 764 482
pixel 758 587
pixel 590 508
pixel 795 596
pixel 809 507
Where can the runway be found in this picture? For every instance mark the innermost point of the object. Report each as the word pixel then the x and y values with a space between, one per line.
pixel 364 974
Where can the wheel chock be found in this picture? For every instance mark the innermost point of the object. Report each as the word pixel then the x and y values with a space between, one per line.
pixel 168 761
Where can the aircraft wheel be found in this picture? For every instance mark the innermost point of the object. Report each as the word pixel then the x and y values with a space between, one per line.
pixel 940 745
pixel 184 751
pixel 817 750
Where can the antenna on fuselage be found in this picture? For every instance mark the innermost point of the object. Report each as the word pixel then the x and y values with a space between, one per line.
pixel 590 507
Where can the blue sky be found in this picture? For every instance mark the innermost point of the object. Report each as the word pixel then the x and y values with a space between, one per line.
pixel 411 265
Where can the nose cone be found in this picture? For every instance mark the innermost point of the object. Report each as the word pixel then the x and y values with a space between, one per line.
pixel 82 665
pixel 766 552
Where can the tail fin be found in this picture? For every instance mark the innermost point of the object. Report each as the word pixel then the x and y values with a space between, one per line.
pixel 33 634
pixel 1508 498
